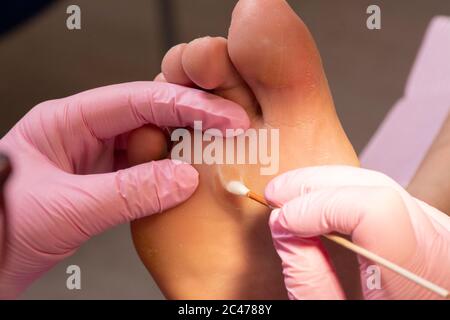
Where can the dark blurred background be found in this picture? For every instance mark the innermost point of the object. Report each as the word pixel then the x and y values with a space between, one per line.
pixel 123 41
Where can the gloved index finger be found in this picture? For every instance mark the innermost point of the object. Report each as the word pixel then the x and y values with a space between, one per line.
pixel 116 109
pixel 301 181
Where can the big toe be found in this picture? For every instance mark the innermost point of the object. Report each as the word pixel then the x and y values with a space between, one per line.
pixel 275 53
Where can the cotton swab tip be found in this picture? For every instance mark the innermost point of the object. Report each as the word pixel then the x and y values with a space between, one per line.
pixel 237 188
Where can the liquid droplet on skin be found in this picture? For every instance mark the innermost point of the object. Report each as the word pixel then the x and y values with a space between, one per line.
pixel 224 175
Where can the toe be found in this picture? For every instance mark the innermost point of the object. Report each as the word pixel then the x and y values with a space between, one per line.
pixel 276 55
pixel 207 64
pixel 160 78
pixel 172 68
pixel 146 144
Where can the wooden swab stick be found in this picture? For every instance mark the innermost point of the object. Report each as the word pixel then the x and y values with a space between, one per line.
pixel 238 188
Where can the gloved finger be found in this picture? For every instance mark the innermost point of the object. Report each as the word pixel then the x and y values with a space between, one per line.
pixel 362 212
pixel 113 110
pixel 301 181
pixel 322 212
pixel 110 199
pixel 308 272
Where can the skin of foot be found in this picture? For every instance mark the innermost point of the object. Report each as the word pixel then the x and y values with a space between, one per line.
pixel 217 246
pixel 431 183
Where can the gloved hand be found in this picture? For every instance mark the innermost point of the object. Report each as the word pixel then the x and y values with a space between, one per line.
pixel 62 190
pixel 378 215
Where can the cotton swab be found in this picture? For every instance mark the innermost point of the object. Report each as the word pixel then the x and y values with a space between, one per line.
pixel 239 189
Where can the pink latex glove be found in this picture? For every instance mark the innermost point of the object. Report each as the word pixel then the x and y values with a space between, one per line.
pixel 375 211
pixel 62 191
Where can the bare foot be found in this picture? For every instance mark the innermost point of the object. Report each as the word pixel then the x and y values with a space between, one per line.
pixel 212 246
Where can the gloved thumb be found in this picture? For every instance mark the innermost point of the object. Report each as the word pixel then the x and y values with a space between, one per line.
pixel 308 271
pixel 110 199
